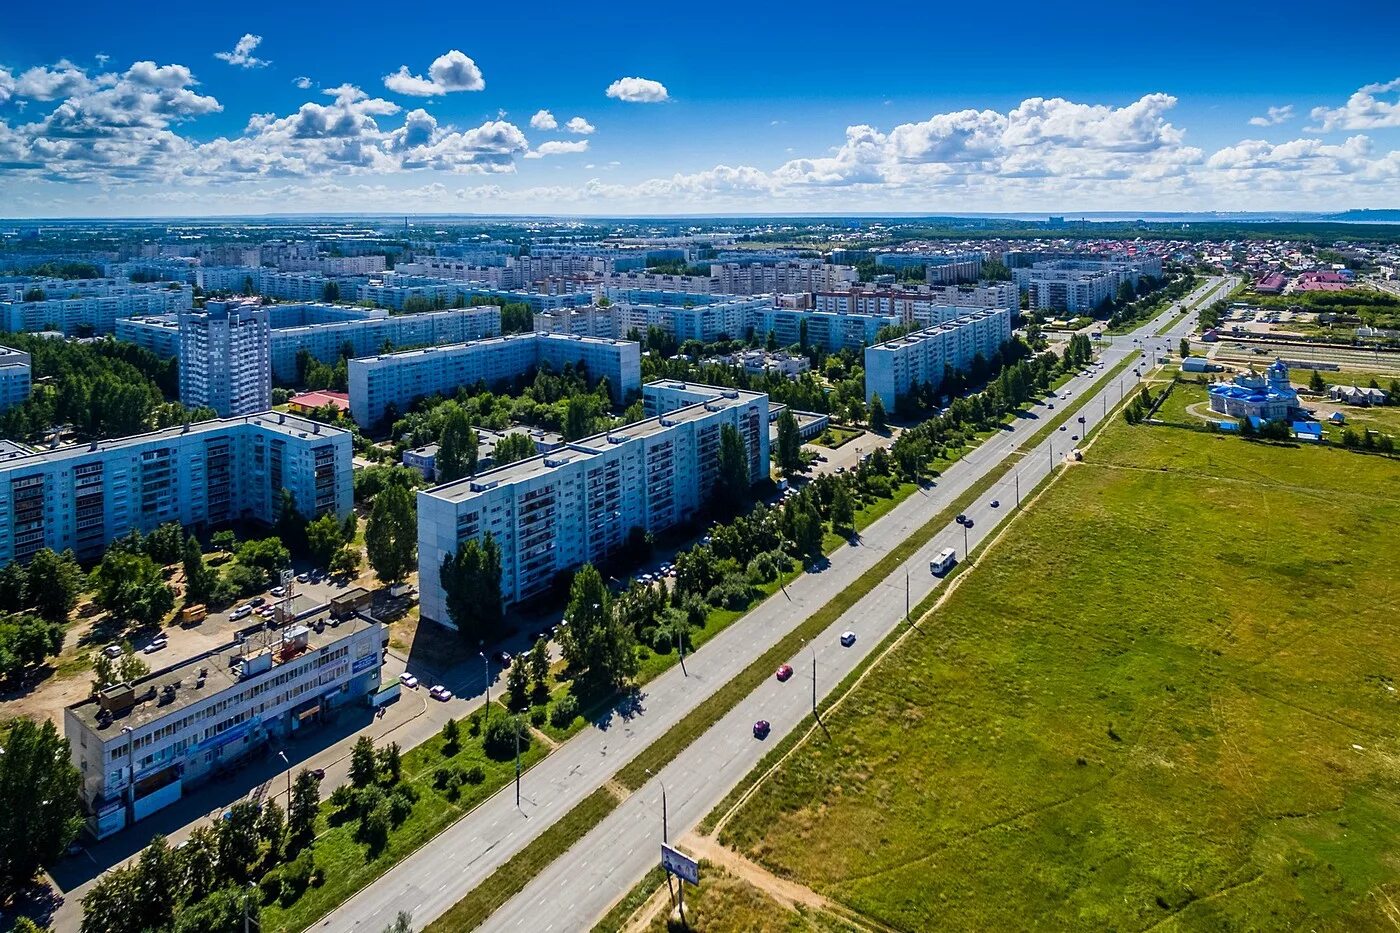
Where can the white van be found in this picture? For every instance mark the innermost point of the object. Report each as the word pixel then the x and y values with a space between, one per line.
pixel 943 562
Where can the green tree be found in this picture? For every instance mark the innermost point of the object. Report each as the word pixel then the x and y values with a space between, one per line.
pixel 324 537
pixel 539 665
pixel 879 420
pixel 132 589
pixel 265 555
pixel 302 811
pixel 157 881
pixel 733 474
pixel 39 787
pixel 516 445
pixel 364 767
pixel 13 596
pixel 1185 348
pixel 272 832
pixel 391 537
pixel 518 683
pixel 789 448
pixel 166 544
pixel 229 910
pixel 200 578
pixel 456 456
pixel 238 842
pixel 26 641
pixel 471 578
pixel 596 644
pixel 113 905
pixel 843 514
pixel 199 864
pixel 1316 383
pixel 53 584
pixel 578 418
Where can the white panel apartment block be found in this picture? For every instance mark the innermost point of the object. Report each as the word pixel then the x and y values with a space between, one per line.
pixel 206 474
pixel 893 367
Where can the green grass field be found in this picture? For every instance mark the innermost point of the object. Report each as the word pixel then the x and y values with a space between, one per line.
pixel 1168 697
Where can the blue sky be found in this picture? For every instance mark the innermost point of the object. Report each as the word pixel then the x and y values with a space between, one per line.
pixel 1011 106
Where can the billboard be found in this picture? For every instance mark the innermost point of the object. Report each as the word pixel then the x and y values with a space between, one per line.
pixel 680 865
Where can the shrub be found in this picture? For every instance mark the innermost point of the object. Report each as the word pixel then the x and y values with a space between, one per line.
pixel 343 797
pixel 271 885
pixel 500 738
pixel 473 775
pixel 538 716
pixel 443 776
pixel 296 876
pixel 564 712
pixel 401 803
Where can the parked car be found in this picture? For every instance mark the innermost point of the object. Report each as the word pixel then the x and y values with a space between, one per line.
pixel 257 601
pixel 848 639
pixel 784 672
pixel 996 504
pixel 439 692
pixel 303 578
pixel 503 658
pixel 158 643
pixel 279 591
pixel 761 729
pixel 408 680
pixel 242 612
pixel 113 651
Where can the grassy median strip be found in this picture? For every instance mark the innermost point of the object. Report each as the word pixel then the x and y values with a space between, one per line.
pixel 614 920
pixel 508 880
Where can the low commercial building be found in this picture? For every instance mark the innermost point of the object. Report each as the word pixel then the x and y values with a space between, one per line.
pixel 138 746
pixel 201 475
pixel 393 381
pixel 580 502
pixel 894 368
pixel 15 379
pixel 1357 395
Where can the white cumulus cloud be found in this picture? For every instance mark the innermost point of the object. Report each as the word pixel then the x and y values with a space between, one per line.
pixel 452 71
pixel 1274 116
pixel 638 91
pixel 557 147
pixel 1372 106
pixel 242 54
pixel 543 120
pixel 580 126
pixel 302 82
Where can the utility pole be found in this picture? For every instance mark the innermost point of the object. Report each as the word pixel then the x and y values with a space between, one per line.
pixel 283 756
pixel 1018 490
pixel 517 762
pixel 487 661
pixel 965 547
pixel 906 596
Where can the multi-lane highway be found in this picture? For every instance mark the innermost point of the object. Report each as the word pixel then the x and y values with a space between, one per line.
pixel 575 889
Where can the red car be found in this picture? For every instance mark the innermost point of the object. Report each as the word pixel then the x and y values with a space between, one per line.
pixel 761 728
pixel 784 672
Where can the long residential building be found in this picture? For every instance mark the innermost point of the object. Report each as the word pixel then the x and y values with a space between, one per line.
pixel 205 474
pixel 918 305
pixel 894 368
pixel 327 341
pixel 139 746
pixel 1080 285
pixel 732 278
pixel 391 382
pixel 939 268
pixel 579 503
pixel 90 314
pixel 224 358
pixel 588 321
pixel 15 378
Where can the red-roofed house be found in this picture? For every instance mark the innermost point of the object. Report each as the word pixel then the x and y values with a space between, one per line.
pixel 307 402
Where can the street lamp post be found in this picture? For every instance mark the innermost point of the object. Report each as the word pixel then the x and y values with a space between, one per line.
pixel 517 762
pixel 283 756
pixel 965 547
pixel 487 662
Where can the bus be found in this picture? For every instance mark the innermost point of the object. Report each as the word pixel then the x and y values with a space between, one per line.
pixel 943 562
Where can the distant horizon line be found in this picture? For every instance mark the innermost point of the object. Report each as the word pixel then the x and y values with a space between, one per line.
pixel 1160 216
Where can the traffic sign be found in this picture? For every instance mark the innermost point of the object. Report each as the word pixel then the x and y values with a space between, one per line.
pixel 680 865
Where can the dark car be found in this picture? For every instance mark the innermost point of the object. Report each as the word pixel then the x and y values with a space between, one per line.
pixel 504 658
pixel 784 672
pixel 761 729
pixel 968 524
pixel 996 504
pixel 962 519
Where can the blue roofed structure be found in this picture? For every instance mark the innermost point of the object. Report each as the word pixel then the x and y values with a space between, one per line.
pixel 1266 397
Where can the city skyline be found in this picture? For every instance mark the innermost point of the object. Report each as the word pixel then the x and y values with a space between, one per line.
pixel 260 109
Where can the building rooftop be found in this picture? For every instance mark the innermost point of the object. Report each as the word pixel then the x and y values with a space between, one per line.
pixel 289 425
pixel 321 398
pixel 155 698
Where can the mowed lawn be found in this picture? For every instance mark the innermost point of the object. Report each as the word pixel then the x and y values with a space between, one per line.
pixel 1168 695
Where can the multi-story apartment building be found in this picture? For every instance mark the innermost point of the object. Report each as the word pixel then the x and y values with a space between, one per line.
pixel 159 333
pixel 206 474
pixel 91 314
pixel 939 268
pixel 138 746
pixel 919 305
pixel 14 378
pixel 717 318
pixel 731 278
pixel 652 281
pixel 579 503
pixel 588 321
pixel 893 368
pixel 309 286
pixel 831 332
pixel 240 280
pixel 1077 283
pixel 225 358
pixel 381 385
pixel 327 341
pixel 335 265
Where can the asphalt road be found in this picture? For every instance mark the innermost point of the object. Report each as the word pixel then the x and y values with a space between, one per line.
pixel 580 886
